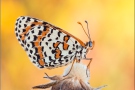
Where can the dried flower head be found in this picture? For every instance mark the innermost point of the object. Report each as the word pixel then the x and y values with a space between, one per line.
pixel 77 79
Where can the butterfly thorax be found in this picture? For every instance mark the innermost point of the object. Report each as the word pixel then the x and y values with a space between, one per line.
pixel 82 51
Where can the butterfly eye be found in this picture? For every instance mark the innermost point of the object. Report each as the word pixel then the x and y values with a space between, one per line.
pixel 90 43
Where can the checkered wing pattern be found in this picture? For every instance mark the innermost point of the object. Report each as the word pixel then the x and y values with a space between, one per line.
pixel 46 45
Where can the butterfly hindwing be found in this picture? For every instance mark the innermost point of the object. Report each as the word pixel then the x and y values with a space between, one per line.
pixel 46 45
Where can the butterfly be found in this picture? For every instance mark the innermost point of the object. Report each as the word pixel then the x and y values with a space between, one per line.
pixel 48 46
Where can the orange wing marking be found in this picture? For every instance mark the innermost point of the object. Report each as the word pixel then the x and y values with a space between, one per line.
pixel 65 46
pixel 58 54
pixel 41 62
pixel 55 45
pixel 66 38
pixel 36 43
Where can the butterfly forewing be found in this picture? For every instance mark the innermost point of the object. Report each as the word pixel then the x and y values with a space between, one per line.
pixel 46 45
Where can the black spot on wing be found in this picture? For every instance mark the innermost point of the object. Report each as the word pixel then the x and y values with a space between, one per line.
pixel 19 25
pixel 25 25
pixel 51 30
pixel 77 46
pixel 17 34
pixel 69 52
pixel 56 38
pixel 73 48
pixel 46 65
pixel 32 25
pixel 35 38
pixel 20 21
pixel 15 29
pixel 48 35
pixel 29 38
pixel 45 27
pixel 28 19
pixel 75 42
pixel 45 54
pixel 35 20
pixel 20 36
pixel 39 27
pixel 22 18
pixel 22 45
pixel 50 40
pixel 50 58
pixel 53 51
pixel 40 32
pixel 43 38
pixel 50 48
pixel 29 55
pixel 44 23
pixel 36 50
pixel 34 62
pixel 31 51
pixel 28 45
pixel 32 31
pixel 26 49
pixel 59 33
pixel 23 41
pixel 24 30
pixel 32 43
pixel 38 57
pixel 66 60
pixel 65 57
pixel 34 58
pixel 71 57
pixel 19 40
pixel 16 23
pixel 46 43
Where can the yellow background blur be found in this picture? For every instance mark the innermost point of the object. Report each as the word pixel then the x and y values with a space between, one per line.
pixel 111 24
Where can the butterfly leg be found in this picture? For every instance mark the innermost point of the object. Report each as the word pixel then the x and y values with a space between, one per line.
pixel 70 69
pixel 88 65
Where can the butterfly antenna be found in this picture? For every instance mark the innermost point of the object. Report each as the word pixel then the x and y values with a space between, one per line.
pixel 83 28
pixel 88 30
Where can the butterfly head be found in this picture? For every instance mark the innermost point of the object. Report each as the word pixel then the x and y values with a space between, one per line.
pixel 90 44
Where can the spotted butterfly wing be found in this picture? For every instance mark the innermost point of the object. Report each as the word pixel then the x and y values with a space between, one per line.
pixel 47 45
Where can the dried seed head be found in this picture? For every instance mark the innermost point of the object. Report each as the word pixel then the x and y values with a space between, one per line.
pixel 75 80
pixel 78 71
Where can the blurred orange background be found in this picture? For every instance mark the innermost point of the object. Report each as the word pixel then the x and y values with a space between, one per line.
pixel 111 24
